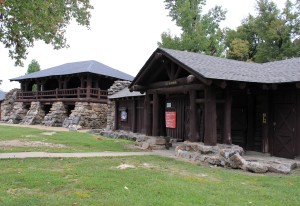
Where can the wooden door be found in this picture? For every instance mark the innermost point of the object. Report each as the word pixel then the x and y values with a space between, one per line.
pixel 284 130
pixel 180 105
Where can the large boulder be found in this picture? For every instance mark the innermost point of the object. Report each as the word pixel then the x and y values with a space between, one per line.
pixel 236 161
pixel 256 167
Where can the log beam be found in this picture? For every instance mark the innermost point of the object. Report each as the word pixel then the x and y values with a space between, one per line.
pixel 154 58
pixel 163 84
pixel 177 89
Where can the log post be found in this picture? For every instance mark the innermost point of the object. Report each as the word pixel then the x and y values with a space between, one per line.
pixel 227 117
pixel 88 87
pixel 194 129
pixel 116 122
pixel 155 119
pixel 133 113
pixel 147 115
pixel 56 93
pixel 78 92
pixel 210 119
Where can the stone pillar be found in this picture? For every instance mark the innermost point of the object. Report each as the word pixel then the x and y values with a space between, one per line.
pixel 87 115
pixel 56 116
pixel 7 104
pixel 18 113
pixel 35 114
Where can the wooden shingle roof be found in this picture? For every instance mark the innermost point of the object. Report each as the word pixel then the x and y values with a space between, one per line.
pixel 78 67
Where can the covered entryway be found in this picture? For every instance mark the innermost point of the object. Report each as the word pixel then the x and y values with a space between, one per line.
pixel 177 113
pixel 284 130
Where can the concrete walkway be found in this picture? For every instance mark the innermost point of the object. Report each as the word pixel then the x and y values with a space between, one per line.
pixel 22 155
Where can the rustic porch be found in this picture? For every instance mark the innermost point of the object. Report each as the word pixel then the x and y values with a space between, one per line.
pixel 64 95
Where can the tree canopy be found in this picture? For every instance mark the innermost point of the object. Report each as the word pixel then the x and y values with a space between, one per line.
pixel 24 22
pixel 272 34
pixel 200 32
pixel 34 66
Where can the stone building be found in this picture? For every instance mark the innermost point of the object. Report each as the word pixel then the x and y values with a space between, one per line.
pixel 65 95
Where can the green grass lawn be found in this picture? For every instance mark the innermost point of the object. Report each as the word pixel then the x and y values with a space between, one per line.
pixel 154 181
pixel 74 141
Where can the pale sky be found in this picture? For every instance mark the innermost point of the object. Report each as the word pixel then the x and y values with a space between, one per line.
pixel 123 35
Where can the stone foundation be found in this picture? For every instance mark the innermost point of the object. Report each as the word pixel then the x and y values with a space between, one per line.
pixel 87 115
pixel 35 114
pixel 231 156
pixel 56 116
pixel 8 104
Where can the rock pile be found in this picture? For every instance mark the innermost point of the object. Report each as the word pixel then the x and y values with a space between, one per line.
pixel 7 104
pixel 35 114
pixel 230 156
pixel 143 141
pixel 87 115
pixel 117 86
pixel 56 116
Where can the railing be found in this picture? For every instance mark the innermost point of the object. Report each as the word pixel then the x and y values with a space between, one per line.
pixel 62 94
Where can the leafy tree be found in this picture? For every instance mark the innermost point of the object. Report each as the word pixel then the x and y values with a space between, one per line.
pixel 34 66
pixel 272 34
pixel 239 50
pixel 200 32
pixel 24 22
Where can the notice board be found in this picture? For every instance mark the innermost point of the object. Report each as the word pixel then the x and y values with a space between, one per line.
pixel 171 120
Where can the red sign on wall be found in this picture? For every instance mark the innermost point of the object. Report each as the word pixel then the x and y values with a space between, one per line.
pixel 171 120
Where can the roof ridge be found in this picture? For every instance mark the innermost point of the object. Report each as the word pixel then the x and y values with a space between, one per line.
pixel 90 65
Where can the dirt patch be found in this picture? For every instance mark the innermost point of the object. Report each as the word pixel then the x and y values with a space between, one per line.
pixel 125 166
pixel 25 143
pixel 48 133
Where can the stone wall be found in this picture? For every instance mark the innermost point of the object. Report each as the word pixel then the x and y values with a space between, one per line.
pixel 8 104
pixel 117 86
pixel 87 115
pixel 35 114
pixel 56 116
pixel 232 156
